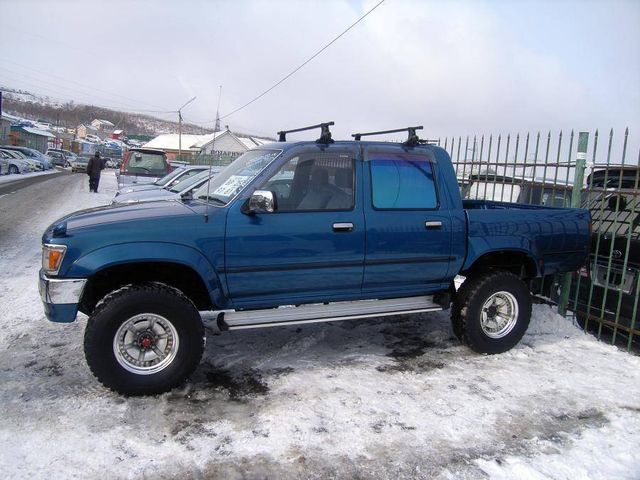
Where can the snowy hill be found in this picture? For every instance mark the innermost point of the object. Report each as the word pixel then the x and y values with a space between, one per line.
pixel 70 114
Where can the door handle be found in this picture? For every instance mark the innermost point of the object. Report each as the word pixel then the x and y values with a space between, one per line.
pixel 343 227
pixel 433 224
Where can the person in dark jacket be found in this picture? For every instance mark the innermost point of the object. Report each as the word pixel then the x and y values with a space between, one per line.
pixel 94 167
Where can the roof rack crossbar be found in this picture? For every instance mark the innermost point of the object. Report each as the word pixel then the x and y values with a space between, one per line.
pixel 412 138
pixel 325 134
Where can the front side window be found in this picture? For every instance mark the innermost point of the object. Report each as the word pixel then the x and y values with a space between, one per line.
pixel 314 181
pixel 400 181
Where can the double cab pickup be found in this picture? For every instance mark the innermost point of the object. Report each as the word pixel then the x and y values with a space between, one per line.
pixel 299 232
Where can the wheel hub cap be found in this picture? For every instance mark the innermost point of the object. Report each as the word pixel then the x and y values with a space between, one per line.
pixel 145 341
pixel 145 344
pixel 499 314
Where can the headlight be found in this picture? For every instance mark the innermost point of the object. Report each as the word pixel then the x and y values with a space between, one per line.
pixel 52 256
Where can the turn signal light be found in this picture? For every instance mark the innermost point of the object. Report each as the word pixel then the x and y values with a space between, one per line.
pixel 52 256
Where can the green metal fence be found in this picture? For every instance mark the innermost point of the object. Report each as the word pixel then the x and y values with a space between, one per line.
pixel 577 171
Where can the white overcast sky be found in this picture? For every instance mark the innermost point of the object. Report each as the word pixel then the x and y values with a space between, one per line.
pixel 455 67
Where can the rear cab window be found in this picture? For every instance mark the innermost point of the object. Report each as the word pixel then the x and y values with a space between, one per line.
pixel 146 163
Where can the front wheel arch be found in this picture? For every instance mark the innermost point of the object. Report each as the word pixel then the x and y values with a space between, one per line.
pixel 177 275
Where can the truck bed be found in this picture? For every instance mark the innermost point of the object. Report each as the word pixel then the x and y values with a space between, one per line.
pixel 557 239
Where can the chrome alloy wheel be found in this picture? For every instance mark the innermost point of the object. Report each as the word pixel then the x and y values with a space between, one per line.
pixel 499 314
pixel 145 344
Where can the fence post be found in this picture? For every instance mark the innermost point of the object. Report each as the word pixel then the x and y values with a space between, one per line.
pixel 581 163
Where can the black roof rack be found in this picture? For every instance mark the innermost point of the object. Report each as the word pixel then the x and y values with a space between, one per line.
pixel 412 139
pixel 325 134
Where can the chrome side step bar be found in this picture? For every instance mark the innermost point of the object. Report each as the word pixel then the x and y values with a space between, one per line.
pixel 320 312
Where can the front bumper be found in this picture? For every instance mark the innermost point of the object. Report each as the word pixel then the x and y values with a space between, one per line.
pixel 60 297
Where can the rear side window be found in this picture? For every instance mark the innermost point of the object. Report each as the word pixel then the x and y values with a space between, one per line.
pixel 152 163
pixel 402 182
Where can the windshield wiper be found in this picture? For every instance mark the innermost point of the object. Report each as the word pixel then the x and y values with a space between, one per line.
pixel 215 199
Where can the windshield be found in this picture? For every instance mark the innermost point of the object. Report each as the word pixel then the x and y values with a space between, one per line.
pixel 493 191
pixel 614 213
pixel 28 153
pixel 229 182
pixel 140 162
pixel 188 182
pixel 167 178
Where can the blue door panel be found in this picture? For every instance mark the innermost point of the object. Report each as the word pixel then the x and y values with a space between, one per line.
pixel 403 255
pixel 289 257
pixel 292 254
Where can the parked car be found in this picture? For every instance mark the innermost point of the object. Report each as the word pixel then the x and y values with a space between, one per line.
pixel 501 188
pixel 93 138
pixel 365 229
pixel 169 192
pixel 109 163
pixel 13 164
pixel 41 162
pixel 29 166
pixel 80 164
pixel 4 163
pixel 169 180
pixel 608 289
pixel 68 155
pixel 59 158
pixel 142 165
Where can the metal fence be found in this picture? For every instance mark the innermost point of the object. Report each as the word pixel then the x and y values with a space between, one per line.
pixel 578 171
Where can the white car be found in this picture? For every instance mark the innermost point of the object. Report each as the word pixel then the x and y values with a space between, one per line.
pixel 93 138
pixel 10 163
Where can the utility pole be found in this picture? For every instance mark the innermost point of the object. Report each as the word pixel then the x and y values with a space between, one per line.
pixel 180 126
pixel 58 141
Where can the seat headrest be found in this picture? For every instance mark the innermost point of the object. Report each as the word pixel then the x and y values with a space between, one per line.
pixel 319 177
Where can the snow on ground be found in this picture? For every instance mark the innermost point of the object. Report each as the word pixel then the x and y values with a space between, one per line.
pixel 380 398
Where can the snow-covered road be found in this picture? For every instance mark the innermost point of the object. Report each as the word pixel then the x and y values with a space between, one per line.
pixel 382 398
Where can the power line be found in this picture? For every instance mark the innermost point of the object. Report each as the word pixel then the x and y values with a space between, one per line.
pixel 305 62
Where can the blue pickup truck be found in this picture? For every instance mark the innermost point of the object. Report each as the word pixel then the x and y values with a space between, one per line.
pixel 299 232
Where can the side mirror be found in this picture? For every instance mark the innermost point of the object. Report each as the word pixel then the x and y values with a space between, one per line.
pixel 261 201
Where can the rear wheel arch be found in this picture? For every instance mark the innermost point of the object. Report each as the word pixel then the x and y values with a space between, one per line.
pixel 518 262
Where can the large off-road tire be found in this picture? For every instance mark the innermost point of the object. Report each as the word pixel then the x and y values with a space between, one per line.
pixel 144 339
pixel 491 311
